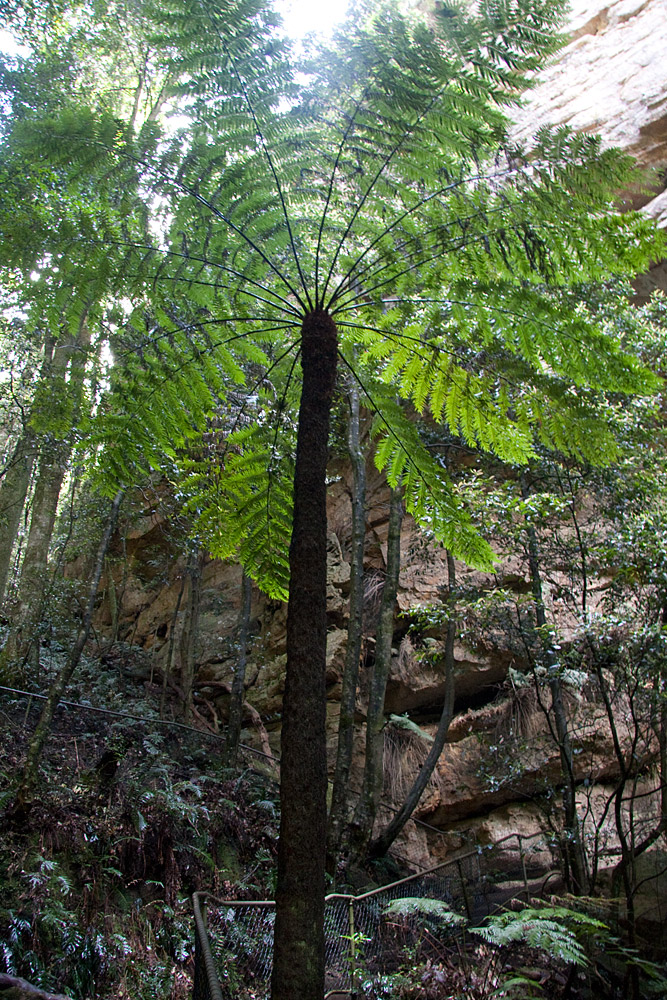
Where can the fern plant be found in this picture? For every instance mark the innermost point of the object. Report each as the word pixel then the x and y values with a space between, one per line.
pixel 430 910
pixel 368 210
pixel 556 930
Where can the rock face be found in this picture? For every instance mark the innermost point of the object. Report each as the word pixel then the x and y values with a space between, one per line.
pixel 611 79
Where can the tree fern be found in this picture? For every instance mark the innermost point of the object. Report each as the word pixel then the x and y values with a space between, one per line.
pixel 372 202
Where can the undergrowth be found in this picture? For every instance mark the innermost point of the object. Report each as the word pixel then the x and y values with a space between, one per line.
pixel 130 819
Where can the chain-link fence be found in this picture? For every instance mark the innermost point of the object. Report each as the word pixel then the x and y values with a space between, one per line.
pixel 238 936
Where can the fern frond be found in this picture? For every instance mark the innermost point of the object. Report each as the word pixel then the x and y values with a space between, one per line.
pixel 430 909
pixel 554 930
pixel 428 493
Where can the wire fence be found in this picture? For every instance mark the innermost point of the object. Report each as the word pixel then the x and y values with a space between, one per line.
pixel 237 935
pixel 250 755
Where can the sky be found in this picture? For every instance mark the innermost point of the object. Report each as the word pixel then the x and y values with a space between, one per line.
pixel 299 16
pixel 8 45
pixel 302 16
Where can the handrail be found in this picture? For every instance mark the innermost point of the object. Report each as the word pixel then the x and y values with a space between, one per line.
pixel 341 898
pixel 204 956
pixel 382 888
pixel 139 718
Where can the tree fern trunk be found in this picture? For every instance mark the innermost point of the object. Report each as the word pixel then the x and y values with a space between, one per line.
pixel 340 794
pixel 298 963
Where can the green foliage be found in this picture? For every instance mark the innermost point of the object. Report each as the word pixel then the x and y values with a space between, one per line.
pixel 556 930
pixel 378 187
pixel 403 722
pixel 47 942
pixel 100 906
pixel 432 910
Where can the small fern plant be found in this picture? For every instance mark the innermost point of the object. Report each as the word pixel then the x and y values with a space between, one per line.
pixel 431 911
pixel 558 931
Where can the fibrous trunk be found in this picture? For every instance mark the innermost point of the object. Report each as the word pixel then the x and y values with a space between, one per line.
pixel 298 962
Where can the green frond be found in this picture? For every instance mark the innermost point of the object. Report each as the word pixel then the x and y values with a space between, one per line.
pixel 377 182
pixel 429 495
pixel 241 505
pixel 433 910
pixel 558 931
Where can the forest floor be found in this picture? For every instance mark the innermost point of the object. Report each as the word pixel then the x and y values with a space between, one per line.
pixel 129 819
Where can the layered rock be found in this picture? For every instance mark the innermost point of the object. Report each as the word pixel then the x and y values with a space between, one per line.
pixel 610 79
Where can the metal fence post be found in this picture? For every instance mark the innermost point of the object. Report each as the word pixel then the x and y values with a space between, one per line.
pixel 206 982
pixel 464 890
pixel 353 950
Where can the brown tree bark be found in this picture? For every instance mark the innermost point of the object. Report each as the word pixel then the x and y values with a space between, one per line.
pixel 298 957
pixel 371 790
pixel 338 814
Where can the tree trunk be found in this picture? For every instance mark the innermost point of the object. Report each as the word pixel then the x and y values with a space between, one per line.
pixel 33 582
pixel 189 635
pixel 13 493
pixel 171 648
pixel 298 957
pixel 236 695
pixel 53 463
pixel 340 796
pixel 16 481
pixel 572 847
pixel 39 737
pixel 381 844
pixel 371 790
